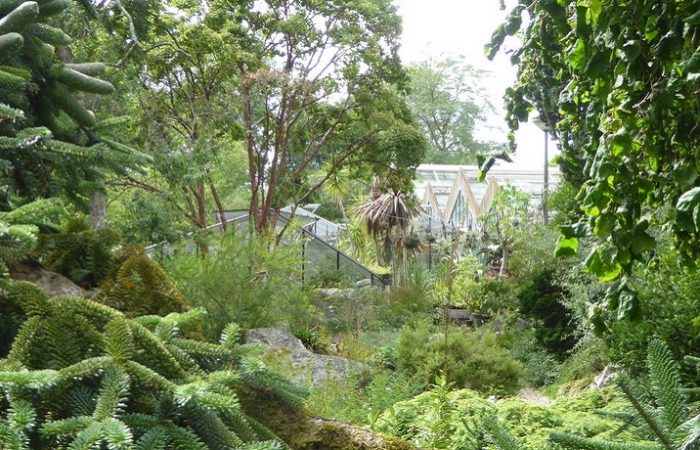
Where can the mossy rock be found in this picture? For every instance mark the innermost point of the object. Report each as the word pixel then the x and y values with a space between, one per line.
pixel 302 431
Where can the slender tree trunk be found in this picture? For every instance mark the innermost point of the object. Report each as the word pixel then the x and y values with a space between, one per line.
pixel 504 260
pixel 98 209
pixel 200 196
pixel 219 205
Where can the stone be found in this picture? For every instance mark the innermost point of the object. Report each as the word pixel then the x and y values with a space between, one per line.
pixel 328 292
pixel 53 284
pixel 363 283
pixel 606 377
pixel 313 367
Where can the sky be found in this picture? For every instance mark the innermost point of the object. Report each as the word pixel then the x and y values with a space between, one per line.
pixel 439 28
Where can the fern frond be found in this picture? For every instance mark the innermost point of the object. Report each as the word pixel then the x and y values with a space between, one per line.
pixel 231 336
pixel 152 440
pixel 666 384
pixel 68 426
pixel 116 434
pixel 498 436
pixel 113 395
pixel 646 415
pixel 149 377
pixel 184 439
pixel 688 434
pixel 10 438
pixel 86 368
pixel 571 441
pixel 88 438
pixel 32 379
pixel 119 341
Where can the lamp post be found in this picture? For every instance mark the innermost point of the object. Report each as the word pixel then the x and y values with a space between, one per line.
pixel 542 125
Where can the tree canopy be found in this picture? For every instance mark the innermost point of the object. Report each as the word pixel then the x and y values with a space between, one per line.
pixel 617 84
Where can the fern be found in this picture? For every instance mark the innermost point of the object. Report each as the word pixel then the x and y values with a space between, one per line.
pixel 578 442
pixel 666 418
pixel 85 376
pixel 666 384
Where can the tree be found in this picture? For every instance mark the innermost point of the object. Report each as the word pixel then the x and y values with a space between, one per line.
pixel 51 143
pixel 387 217
pixel 617 84
pixel 321 92
pixel 80 374
pixel 186 119
pixel 446 99
pixel 508 218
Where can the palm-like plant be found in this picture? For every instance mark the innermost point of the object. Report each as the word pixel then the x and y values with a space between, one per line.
pixel 666 417
pixel 387 216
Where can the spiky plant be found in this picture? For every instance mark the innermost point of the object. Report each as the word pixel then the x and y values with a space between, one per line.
pixel 665 418
pixel 81 375
pixel 140 286
pixel 19 229
pixel 49 141
pixel 387 217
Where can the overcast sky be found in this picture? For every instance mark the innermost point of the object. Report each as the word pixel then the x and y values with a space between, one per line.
pixel 437 28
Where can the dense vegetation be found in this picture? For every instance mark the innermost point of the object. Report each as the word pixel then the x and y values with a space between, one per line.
pixel 254 334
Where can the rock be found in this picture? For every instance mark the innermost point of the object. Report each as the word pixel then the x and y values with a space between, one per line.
pixel 52 283
pixel 301 431
pixel 363 283
pixel 330 434
pixel 315 368
pixel 606 377
pixel 534 397
pixel 328 292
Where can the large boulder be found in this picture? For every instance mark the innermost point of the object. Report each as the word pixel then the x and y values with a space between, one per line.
pixel 311 366
pixel 53 284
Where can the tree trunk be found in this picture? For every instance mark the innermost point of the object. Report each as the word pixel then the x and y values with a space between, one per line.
pixel 98 209
pixel 504 260
pixel 219 205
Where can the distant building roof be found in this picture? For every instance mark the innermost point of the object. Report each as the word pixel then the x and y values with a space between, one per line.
pixel 440 187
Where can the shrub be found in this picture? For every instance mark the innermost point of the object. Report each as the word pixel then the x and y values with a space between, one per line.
pixel 80 252
pixel 457 419
pixel 472 359
pixel 140 286
pixel 245 280
pixel 541 299
pixel 81 375
pixel 539 367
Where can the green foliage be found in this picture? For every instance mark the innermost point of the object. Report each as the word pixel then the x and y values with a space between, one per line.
pixel 361 398
pixel 669 306
pixel 20 227
pixel 80 252
pixel 139 286
pixel 244 280
pixel 542 300
pixel 616 84
pixel 466 420
pixel 48 145
pixel 665 416
pixel 468 359
pixel 540 368
pixel 80 374
pixel 446 99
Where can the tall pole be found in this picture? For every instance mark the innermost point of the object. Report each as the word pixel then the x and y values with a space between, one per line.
pixel 545 193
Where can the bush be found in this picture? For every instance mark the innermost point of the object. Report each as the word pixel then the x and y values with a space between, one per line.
pixel 456 420
pixel 539 367
pixel 81 375
pixel 471 359
pixel 360 399
pixel 80 252
pixel 542 300
pixel 140 286
pixel 245 280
